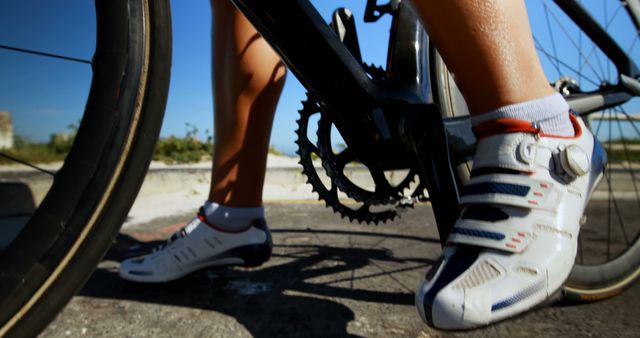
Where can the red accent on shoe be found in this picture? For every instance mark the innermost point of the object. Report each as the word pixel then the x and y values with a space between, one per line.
pixel 509 125
pixel 504 126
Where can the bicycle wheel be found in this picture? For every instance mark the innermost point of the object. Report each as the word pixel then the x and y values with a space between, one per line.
pixel 608 257
pixel 66 235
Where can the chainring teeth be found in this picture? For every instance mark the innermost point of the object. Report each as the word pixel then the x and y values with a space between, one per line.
pixel 330 196
pixel 344 183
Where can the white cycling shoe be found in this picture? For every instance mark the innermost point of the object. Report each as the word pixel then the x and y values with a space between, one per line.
pixel 199 246
pixel 515 242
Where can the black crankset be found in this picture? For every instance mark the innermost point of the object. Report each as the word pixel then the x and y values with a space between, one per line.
pixel 384 203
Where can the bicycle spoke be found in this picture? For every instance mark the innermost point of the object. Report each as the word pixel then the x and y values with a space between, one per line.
pixel 604 75
pixel 620 220
pixel 553 40
pixel 593 45
pixel 17 160
pixel 628 157
pixel 614 214
pixel 633 43
pixel 614 201
pixel 633 178
pixel 597 133
pixel 573 42
pixel 580 35
pixel 55 56
pixel 610 184
pixel 581 248
pixel 554 62
pixel 604 3
pixel 611 117
pixel 631 119
pixel 548 55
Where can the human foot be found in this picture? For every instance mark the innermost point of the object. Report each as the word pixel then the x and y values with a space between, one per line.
pixel 516 240
pixel 198 246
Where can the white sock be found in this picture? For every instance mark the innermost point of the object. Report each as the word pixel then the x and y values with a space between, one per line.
pixel 228 218
pixel 550 113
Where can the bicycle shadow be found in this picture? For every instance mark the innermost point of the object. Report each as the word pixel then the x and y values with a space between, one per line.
pixel 292 296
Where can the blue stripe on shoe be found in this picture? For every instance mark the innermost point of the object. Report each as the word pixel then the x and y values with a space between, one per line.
pixel 478 233
pixel 456 265
pixel 530 291
pixel 496 188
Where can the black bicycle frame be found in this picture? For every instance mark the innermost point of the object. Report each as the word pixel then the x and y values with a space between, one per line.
pixel 326 68
pixel 629 72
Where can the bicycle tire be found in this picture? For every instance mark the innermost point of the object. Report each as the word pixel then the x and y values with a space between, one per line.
pixel 586 283
pixel 69 233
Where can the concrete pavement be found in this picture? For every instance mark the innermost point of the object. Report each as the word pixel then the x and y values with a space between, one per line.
pixel 327 278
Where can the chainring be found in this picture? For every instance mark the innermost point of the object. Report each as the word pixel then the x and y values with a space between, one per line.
pixel 334 164
pixel 392 201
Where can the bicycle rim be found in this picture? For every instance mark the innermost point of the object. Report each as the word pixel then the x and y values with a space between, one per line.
pixel 68 232
pixel 608 259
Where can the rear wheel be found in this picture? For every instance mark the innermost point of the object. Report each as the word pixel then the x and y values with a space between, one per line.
pixel 61 240
pixel 608 257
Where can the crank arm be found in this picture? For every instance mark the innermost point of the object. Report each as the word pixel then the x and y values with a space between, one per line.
pixel 423 130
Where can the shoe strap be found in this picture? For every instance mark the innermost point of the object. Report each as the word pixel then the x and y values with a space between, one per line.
pixel 504 236
pixel 511 190
pixel 515 151
pixel 529 151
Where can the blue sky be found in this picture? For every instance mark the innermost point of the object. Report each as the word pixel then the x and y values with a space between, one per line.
pixel 191 82
pixel 46 95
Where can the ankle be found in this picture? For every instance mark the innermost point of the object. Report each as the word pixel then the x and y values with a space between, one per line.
pixel 230 218
pixel 549 115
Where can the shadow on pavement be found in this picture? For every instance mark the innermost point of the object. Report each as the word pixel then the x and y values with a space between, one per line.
pixel 298 293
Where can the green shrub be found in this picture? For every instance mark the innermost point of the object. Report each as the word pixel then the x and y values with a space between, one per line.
pixel 171 150
pixel 274 151
pixel 187 149
pixel 40 152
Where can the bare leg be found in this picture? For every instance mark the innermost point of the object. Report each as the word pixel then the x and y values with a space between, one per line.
pixel 488 46
pixel 522 126
pixel 248 79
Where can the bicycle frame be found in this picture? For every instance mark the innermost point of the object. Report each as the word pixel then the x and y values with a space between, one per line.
pixel 365 111
pixel 629 72
pixel 325 67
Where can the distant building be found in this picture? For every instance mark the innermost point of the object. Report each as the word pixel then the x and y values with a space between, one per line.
pixel 6 130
